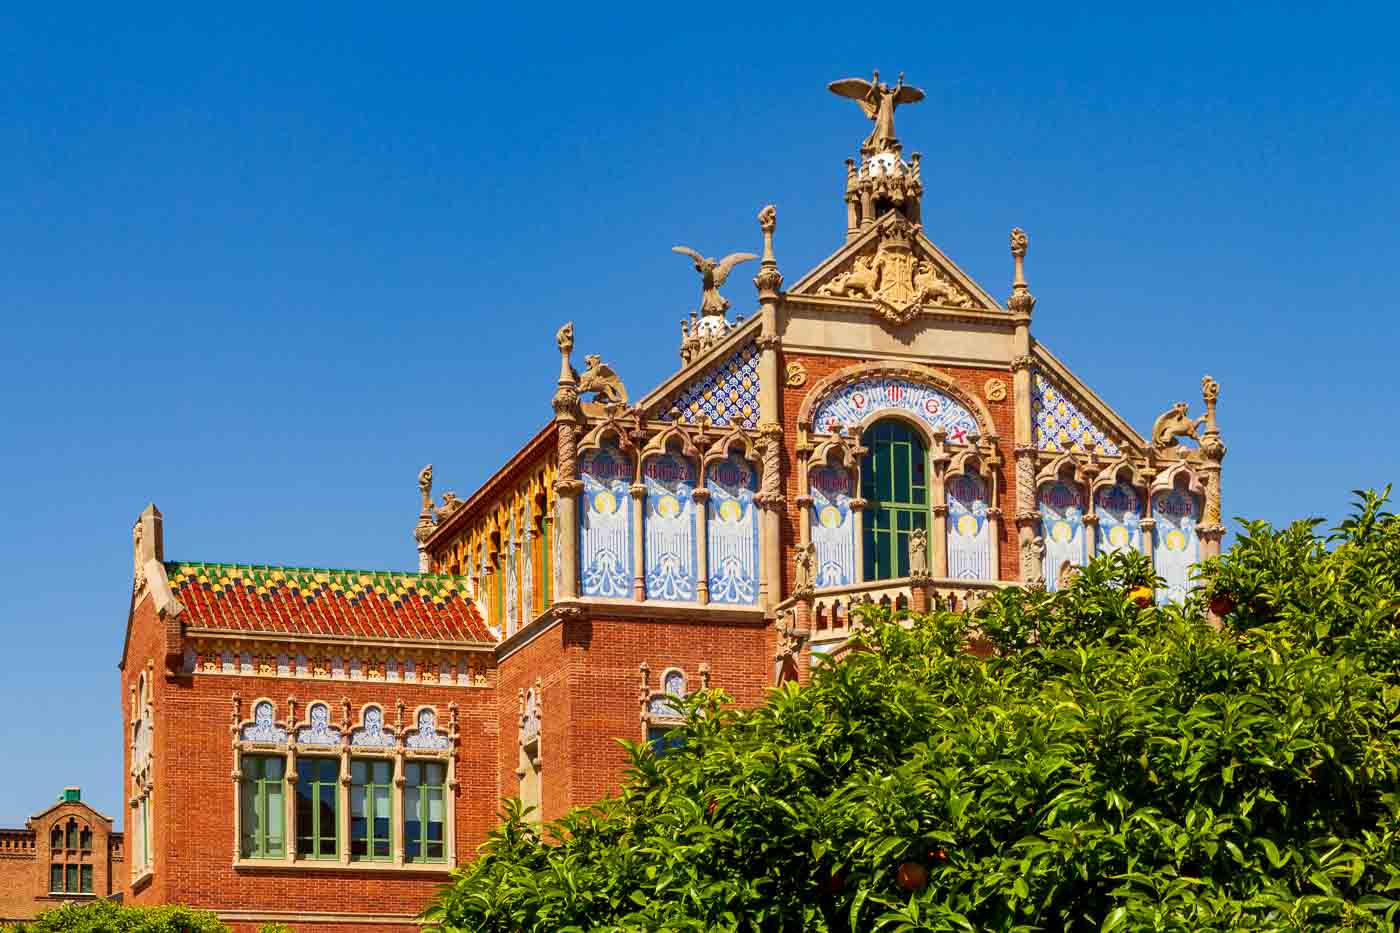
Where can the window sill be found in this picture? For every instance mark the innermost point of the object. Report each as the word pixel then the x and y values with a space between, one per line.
pixel 314 865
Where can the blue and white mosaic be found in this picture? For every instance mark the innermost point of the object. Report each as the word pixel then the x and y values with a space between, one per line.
pixel 263 728
pixel 1119 508
pixel 605 532
pixel 833 525
pixel 726 394
pixel 732 531
pixel 851 404
pixel 1060 426
pixel 1175 543
pixel 320 732
pixel 372 734
pixel 669 523
pixel 1061 509
pixel 969 536
pixel 427 735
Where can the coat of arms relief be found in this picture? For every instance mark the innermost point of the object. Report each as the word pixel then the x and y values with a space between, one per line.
pixel 900 282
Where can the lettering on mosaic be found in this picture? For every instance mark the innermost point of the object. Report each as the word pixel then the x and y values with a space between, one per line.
pixel 372 734
pixel 833 525
pixel 605 528
pixel 669 526
pixel 263 729
pixel 1176 546
pixel 853 403
pixel 320 732
pixel 427 736
pixel 969 534
pixel 732 531
pixel 1119 508
pixel 1061 507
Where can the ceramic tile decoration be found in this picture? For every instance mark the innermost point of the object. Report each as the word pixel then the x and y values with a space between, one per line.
pixel 372 734
pixel 969 536
pixel 669 527
pixel 1175 543
pixel 833 525
pixel 263 729
pixel 732 531
pixel 726 394
pixel 1119 508
pixel 605 529
pixel 427 735
pixel 320 732
pixel 1061 508
pixel 1061 426
pixel 853 403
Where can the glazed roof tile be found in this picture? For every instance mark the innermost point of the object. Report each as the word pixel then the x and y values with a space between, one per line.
pixel 334 603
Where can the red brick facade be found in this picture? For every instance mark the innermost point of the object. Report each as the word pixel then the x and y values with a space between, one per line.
pixel 67 853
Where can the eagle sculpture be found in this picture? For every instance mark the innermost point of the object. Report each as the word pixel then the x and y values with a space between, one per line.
pixel 712 276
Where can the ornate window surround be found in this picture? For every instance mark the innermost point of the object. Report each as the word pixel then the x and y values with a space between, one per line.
pixel 530 739
pixel 142 729
pixel 656 708
pixel 312 736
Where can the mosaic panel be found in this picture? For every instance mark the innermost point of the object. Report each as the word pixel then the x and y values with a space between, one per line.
pixel 833 525
pixel 427 736
pixel 1175 543
pixel 732 531
pixel 605 531
pixel 320 732
pixel 1061 507
pixel 669 526
pixel 1119 508
pixel 851 404
pixel 969 535
pixel 727 394
pixel 1060 426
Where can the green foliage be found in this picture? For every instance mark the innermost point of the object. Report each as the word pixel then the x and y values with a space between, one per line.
pixel 275 928
pixel 1108 768
pixel 111 917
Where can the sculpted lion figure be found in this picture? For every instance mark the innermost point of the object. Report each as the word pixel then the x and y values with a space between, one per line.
pixel 1173 424
pixel 863 278
pixel 598 377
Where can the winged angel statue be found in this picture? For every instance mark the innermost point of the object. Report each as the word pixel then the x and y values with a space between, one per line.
pixel 879 102
pixel 712 276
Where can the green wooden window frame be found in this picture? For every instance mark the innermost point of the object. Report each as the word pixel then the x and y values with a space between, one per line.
pixel 894 481
pixel 56 878
pixel 72 841
pixel 85 840
pixel 371 809
pixel 70 879
pixel 318 807
pixel 85 885
pixel 425 811
pixel 262 799
pixel 56 839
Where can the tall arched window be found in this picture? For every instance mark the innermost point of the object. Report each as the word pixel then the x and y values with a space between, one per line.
pixel 894 483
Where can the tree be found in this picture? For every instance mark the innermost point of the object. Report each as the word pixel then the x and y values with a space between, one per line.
pixel 1106 766
pixel 110 917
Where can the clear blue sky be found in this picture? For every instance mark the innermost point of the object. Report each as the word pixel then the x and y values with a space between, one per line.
pixel 259 266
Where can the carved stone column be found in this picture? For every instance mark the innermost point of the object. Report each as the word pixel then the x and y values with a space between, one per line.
pixel 1027 517
pixel 701 495
pixel 1211 529
pixel 1021 304
pixel 770 496
pixel 804 584
pixel 639 550
pixel 567 485
pixel 858 507
pixel 938 500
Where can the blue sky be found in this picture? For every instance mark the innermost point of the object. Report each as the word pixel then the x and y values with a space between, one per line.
pixel 261 264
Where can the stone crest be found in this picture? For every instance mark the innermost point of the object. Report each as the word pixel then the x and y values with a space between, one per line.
pixel 899 282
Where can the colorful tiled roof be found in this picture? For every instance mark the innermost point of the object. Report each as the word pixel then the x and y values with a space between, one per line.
pixel 312 601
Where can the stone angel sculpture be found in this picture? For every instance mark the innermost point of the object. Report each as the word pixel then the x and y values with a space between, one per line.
pixel 712 276
pixel 878 101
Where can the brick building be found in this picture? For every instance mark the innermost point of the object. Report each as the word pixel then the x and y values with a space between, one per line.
pixel 322 746
pixel 67 852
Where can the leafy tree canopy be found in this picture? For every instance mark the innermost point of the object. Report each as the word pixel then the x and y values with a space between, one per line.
pixel 111 917
pixel 1107 767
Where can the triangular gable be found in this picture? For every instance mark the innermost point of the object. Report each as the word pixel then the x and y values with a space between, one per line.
pixel 725 393
pixel 866 267
pixel 1067 417
pixel 741 333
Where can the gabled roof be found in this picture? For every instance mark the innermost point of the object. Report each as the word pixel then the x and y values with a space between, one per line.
pixel 296 601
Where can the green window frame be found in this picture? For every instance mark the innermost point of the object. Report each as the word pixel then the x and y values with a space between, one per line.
pixel 72 841
pixel 70 879
pixel 85 886
pixel 425 811
pixel 85 839
pixel 56 839
pixel 894 481
pixel 56 878
pixel 371 809
pixel 547 576
pixel 317 808
pixel 263 812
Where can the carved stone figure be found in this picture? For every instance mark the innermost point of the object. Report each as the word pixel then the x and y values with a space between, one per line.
pixel 450 504
pixel 878 102
pixel 861 281
pixel 804 564
pixel 1173 424
pixel 139 576
pixel 918 554
pixel 598 377
pixel 565 338
pixel 1033 561
pixel 712 276
pixel 425 488
pixel 934 287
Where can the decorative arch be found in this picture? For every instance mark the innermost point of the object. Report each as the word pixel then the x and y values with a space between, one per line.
pixel 372 732
pixel 888 376
pixel 317 730
pixel 722 448
pixel 1118 502
pixel 969 495
pixel 426 736
pixel 264 728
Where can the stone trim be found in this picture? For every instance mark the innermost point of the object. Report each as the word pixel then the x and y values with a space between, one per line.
pixel 302 916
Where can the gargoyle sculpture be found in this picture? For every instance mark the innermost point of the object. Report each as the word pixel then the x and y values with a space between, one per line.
pixel 598 377
pixel 1174 424
pixel 712 276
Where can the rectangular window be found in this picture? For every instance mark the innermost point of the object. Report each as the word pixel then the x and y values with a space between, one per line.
pixel 86 840
pixel 71 879
pixel 72 836
pixel 371 809
pixel 56 878
pixel 318 791
pixel 662 741
pixel 87 879
pixel 425 795
pixel 262 814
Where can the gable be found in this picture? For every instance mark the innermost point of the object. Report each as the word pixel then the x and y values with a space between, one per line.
pixel 726 393
pixel 1061 425
pixel 899 271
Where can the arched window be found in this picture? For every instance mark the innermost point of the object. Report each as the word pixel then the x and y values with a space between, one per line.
pixel 72 834
pixel 894 482
pixel 56 839
pixel 85 839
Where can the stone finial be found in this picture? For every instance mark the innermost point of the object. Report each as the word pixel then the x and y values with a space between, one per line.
pixel 147 543
pixel 565 339
pixel 1021 300
pixel 769 279
pixel 425 488
pixel 1210 394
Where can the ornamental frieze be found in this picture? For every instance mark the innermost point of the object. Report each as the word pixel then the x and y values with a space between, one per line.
pixel 899 282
